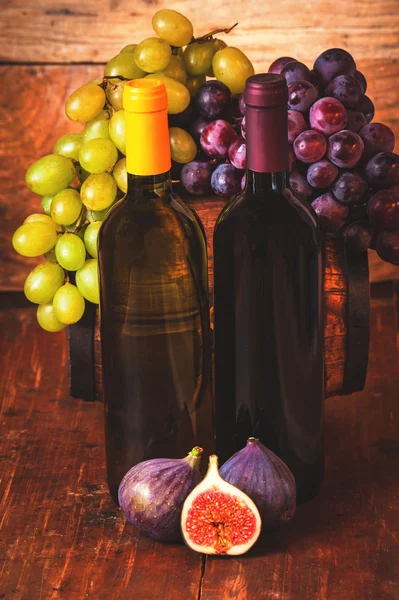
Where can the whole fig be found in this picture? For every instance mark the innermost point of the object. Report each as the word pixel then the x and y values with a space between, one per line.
pixel 266 479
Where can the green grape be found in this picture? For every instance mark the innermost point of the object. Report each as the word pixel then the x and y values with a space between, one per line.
pixel 42 283
pixel 198 58
pixel 34 239
pixel 47 319
pixel 66 207
pixel 152 54
pixel 182 146
pixel 96 216
pixel 98 155
pixel 123 65
pixel 176 70
pixel 69 145
pixel 193 83
pixel 117 130
pixel 46 204
pixel 120 175
pixel 98 191
pixel 50 174
pixel 129 48
pixel 51 257
pixel 85 103
pixel 44 219
pixel 178 94
pixel 90 238
pixel 70 251
pixel 97 127
pixel 82 173
pixel 217 45
pixel 173 27
pixel 87 281
pixel 114 93
pixel 232 68
pixel 69 304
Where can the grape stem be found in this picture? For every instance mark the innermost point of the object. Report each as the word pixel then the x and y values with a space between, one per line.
pixel 79 221
pixel 209 36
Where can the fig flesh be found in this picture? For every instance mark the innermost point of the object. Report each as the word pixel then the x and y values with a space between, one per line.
pixel 152 493
pixel 266 479
pixel 218 518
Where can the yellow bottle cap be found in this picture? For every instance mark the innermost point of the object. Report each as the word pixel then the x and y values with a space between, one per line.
pixel 147 135
pixel 145 96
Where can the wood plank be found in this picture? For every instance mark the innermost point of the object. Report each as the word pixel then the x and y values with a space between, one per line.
pixel 96 31
pixel 32 117
pixel 342 545
pixel 61 536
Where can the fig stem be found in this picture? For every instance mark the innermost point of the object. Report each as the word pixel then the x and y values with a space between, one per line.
pixel 196 451
pixel 213 464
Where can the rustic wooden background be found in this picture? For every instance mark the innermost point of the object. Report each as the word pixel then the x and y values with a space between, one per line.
pixel 49 48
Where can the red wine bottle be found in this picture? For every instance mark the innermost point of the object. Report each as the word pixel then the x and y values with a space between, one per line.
pixel 268 303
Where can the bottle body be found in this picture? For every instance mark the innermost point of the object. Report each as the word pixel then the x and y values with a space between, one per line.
pixel 269 333
pixel 154 327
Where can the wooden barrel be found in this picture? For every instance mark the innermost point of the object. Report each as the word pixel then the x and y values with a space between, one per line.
pixel 346 333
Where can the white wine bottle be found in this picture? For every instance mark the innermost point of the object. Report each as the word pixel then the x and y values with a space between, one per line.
pixel 153 302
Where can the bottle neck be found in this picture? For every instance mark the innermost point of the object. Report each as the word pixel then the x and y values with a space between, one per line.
pixel 262 183
pixel 267 139
pixel 142 187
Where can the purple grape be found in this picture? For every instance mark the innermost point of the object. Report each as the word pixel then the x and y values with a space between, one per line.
pixel 213 97
pixel 358 237
pixel 243 181
pixel 331 213
pixel 244 128
pixel 296 124
pixel 382 171
pixel 334 62
pixel 321 174
pixel 238 153
pixel 327 115
pixel 366 107
pixel 395 188
pixel 291 159
pixel 350 187
pixel 345 148
pixel 301 95
pixel 383 210
pixel 356 120
pixel 345 89
pixel 278 65
pixel 241 104
pixel 197 127
pixel 376 138
pixel 315 78
pixel 360 78
pixel 358 212
pixel 196 177
pixel 295 71
pixel 216 138
pixel 310 146
pixel 388 246
pixel 183 119
pixel 226 180
pixel 299 185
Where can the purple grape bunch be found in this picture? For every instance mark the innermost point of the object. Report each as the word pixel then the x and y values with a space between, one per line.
pixel 345 166
pixel 341 161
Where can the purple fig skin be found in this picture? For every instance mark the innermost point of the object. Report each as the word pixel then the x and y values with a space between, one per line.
pixel 152 493
pixel 266 479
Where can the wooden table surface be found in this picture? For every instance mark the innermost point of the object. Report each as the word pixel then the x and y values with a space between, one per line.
pixel 61 536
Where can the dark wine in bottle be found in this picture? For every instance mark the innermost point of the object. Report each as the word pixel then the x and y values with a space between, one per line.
pixel 153 302
pixel 268 303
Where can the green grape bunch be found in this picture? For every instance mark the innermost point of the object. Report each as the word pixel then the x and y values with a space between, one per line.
pixel 86 173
